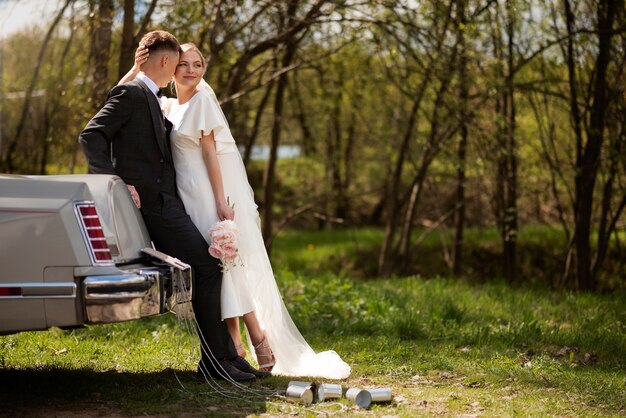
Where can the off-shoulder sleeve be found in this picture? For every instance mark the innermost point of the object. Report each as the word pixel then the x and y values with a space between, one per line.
pixel 203 116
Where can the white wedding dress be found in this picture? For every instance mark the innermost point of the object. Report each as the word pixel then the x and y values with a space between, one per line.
pixel 250 287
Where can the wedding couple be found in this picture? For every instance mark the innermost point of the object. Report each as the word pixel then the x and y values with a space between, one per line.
pixel 185 173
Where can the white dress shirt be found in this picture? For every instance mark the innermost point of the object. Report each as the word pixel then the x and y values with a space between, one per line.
pixel 148 81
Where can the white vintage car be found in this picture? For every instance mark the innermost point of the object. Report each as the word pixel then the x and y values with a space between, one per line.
pixel 74 250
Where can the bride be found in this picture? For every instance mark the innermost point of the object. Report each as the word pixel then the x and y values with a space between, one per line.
pixel 213 184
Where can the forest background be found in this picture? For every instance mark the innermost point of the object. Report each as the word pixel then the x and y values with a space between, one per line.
pixel 480 139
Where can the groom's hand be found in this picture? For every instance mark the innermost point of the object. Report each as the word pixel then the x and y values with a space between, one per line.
pixel 134 195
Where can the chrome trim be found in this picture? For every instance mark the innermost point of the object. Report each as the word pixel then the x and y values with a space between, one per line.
pixel 111 204
pixel 61 290
pixel 122 297
pixel 138 293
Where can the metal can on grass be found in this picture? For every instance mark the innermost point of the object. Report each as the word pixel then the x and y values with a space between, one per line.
pixel 302 394
pixel 380 394
pixel 360 396
pixel 327 391
pixel 302 391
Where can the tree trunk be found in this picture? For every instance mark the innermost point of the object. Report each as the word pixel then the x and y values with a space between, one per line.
pixel 101 28
pixel 392 196
pixel 506 161
pixel 257 123
pixel 10 156
pixel 308 140
pixel 575 117
pixel 510 215
pixel 143 26
pixel 268 178
pixel 45 144
pixel 459 206
pixel 431 150
pixel 335 153
pixel 347 164
pixel 587 169
pixel 127 45
pixel 608 221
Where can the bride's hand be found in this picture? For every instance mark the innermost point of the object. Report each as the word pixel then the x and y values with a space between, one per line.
pixel 224 211
pixel 141 56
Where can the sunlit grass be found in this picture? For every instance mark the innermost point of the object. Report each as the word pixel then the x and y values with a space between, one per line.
pixel 445 347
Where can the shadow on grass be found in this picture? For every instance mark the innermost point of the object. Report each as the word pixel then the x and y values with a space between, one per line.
pixel 86 392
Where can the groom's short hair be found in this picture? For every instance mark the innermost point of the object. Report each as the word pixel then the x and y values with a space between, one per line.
pixel 160 40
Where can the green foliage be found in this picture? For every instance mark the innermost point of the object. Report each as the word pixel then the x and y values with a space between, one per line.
pixel 59 107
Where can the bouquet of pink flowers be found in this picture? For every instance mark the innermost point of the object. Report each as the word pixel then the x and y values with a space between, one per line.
pixel 224 243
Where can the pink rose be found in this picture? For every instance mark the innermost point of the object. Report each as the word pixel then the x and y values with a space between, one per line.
pixel 216 251
pixel 224 237
pixel 229 249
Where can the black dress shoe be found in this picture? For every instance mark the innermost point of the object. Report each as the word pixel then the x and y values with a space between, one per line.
pixel 226 370
pixel 241 363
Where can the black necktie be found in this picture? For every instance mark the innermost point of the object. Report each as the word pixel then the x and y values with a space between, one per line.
pixel 159 93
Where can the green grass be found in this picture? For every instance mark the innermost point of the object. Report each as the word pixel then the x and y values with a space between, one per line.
pixel 445 347
pixel 354 253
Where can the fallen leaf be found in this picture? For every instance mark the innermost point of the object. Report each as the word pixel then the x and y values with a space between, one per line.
pixel 590 358
pixel 563 351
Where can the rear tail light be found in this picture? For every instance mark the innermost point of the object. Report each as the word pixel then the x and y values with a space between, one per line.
pixel 92 232
pixel 10 291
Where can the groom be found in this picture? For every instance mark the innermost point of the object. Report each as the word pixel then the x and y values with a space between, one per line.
pixel 129 137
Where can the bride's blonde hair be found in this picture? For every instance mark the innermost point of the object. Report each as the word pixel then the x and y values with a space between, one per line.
pixel 189 46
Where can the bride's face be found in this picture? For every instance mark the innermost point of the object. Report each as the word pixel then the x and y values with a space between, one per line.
pixel 189 71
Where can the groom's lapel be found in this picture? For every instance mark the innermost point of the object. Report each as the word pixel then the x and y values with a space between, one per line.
pixel 157 121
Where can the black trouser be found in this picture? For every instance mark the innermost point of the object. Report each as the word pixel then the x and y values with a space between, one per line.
pixel 174 233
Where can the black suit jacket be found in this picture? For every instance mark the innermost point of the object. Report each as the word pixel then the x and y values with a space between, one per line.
pixel 129 137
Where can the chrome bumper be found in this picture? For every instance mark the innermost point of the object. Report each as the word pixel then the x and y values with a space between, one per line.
pixel 137 294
